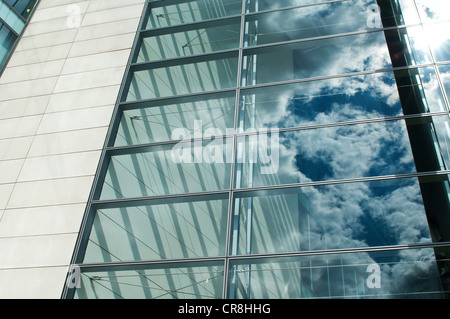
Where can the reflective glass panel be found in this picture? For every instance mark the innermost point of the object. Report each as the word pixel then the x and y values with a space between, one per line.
pixel 157 123
pixel 341 99
pixel 309 22
pixel 184 167
pixel 438 36
pixel 7 40
pixel 422 41
pixel 191 11
pixel 190 42
pixel 433 10
pixel 23 7
pixel 262 5
pixel 407 12
pixel 176 282
pixel 340 216
pixel 330 153
pixel 190 228
pixel 444 71
pixel 441 125
pixel 183 79
pixel 325 57
pixel 384 275
pixel 11 18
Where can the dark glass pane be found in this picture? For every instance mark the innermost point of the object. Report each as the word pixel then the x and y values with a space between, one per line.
pixel 23 7
pixel 7 40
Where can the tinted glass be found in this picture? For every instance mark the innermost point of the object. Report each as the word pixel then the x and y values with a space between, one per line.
pixel 158 123
pixel 352 215
pixel 219 36
pixel 310 21
pixel 190 228
pixel 307 59
pixel 383 275
pixel 191 11
pixel 176 282
pixel 185 167
pixel 194 77
pixel 381 148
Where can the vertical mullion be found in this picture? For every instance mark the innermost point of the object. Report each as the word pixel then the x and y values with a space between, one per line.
pixel 233 219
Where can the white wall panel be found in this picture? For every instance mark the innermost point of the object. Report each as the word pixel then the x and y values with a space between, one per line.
pixel 57 97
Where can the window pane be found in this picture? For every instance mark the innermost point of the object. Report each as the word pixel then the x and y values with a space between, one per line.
pixel 190 228
pixel 330 153
pixel 407 12
pixel 7 39
pixel 24 7
pixel 183 79
pixel 342 99
pixel 185 167
pixel 416 43
pixel 261 5
pixel 384 275
pixel 192 11
pixel 438 36
pixel 310 21
pixel 157 123
pixel 444 71
pixel 190 42
pixel 184 282
pixel 11 18
pixel 432 10
pixel 325 57
pixel 350 215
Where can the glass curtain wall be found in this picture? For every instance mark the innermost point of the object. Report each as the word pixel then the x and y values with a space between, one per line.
pixel 14 15
pixel 276 149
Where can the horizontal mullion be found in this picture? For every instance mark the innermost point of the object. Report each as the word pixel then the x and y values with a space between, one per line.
pixel 177 99
pixel 165 145
pixel 249 14
pixel 193 97
pixel 189 26
pixel 274 46
pixel 244 192
pixel 153 264
pixel 245 259
pixel 160 199
pixel 253 191
pixel 337 76
pixel 218 55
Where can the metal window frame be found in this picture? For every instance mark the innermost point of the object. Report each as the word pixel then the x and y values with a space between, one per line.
pixel 232 192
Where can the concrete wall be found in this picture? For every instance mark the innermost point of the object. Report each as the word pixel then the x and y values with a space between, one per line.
pixel 56 100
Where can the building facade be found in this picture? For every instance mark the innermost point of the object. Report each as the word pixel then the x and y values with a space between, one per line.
pixel 227 149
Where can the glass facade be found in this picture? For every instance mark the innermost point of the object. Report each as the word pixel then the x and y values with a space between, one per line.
pixel 276 149
pixel 14 15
